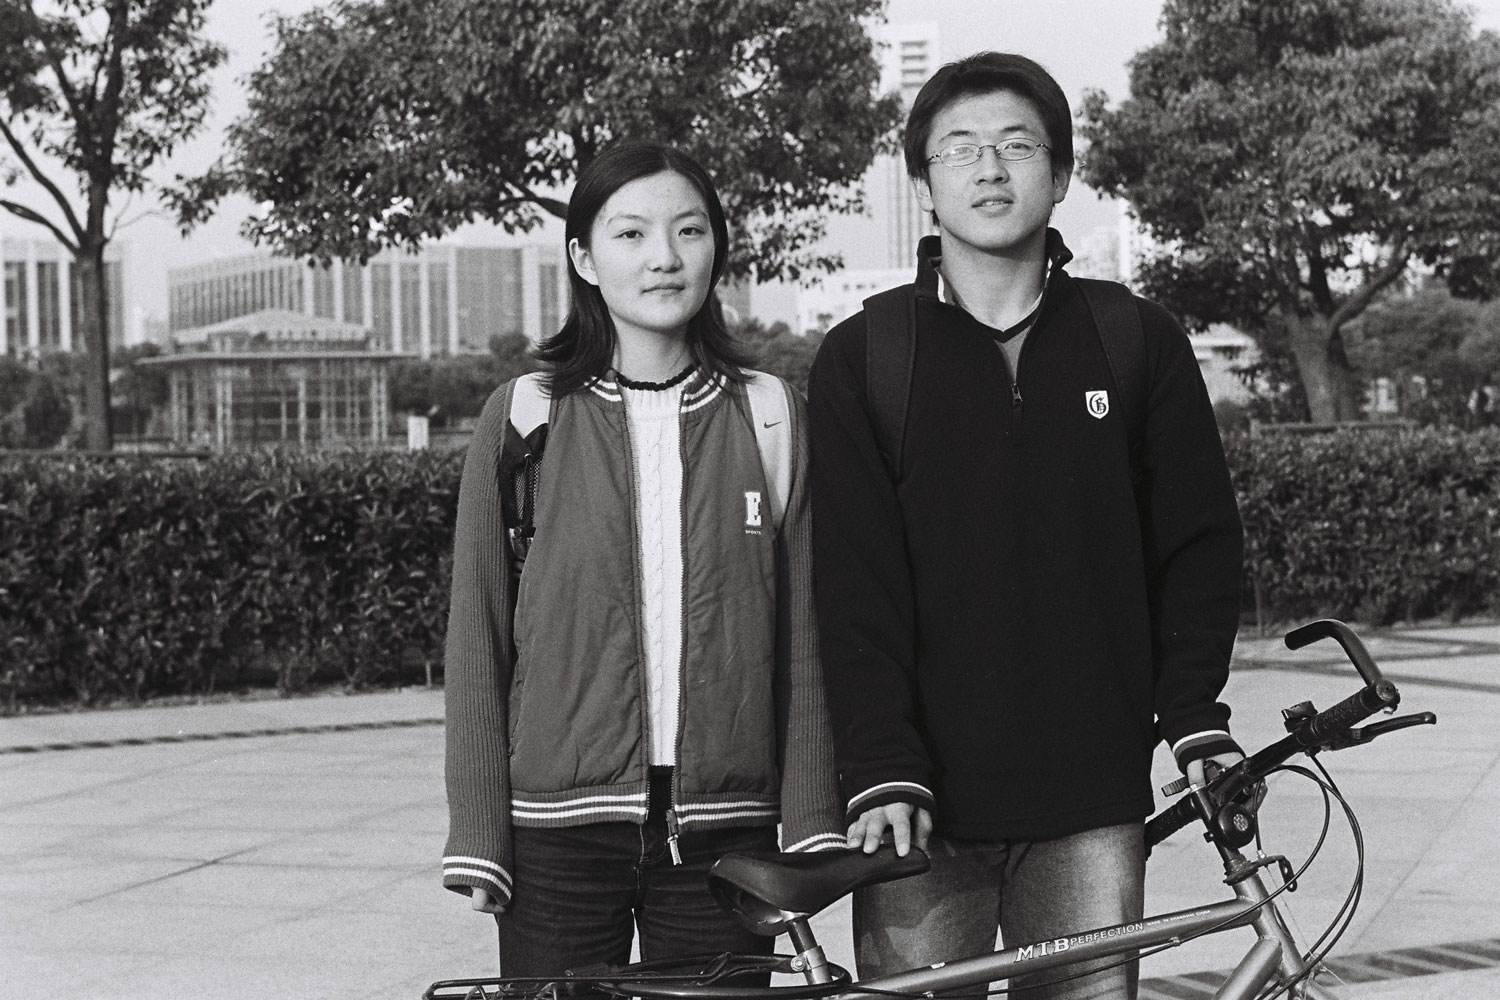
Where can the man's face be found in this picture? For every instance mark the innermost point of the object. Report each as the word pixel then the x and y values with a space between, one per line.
pixel 995 206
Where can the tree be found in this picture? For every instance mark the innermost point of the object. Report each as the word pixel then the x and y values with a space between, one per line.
pixel 96 91
pixel 453 388
pixel 1439 351
pixel 776 349
pixel 35 412
pixel 1294 158
pixel 379 123
pixel 139 392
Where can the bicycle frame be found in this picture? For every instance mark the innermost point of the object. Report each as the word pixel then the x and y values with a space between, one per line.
pixel 1225 804
pixel 1274 955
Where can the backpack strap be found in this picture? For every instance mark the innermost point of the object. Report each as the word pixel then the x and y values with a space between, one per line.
pixel 771 413
pixel 520 463
pixel 530 406
pixel 1118 322
pixel 890 356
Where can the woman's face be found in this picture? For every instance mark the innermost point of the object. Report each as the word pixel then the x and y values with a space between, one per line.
pixel 650 251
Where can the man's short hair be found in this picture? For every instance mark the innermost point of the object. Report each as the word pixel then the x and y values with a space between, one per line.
pixel 984 73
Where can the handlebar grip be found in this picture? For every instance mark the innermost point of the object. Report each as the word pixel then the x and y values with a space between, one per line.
pixel 1170 820
pixel 1331 628
pixel 1353 709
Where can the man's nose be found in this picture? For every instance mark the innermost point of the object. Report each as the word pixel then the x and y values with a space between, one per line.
pixel 990 164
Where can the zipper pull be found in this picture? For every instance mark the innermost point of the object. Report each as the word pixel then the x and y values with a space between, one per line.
pixel 672 831
pixel 1015 395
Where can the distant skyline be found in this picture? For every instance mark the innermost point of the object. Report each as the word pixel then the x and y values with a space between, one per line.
pixel 1086 44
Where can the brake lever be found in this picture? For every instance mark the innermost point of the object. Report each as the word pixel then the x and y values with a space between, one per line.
pixel 1366 733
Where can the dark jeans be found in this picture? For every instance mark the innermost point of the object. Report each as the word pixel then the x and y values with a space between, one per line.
pixel 581 892
pixel 1028 891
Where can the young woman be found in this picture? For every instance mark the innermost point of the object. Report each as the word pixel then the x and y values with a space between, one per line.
pixel 645 695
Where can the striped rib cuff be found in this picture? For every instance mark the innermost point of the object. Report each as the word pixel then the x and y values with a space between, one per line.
pixel 887 792
pixel 819 842
pixel 1201 745
pixel 462 874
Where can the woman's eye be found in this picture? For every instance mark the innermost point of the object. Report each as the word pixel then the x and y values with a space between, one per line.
pixel 692 230
pixel 628 234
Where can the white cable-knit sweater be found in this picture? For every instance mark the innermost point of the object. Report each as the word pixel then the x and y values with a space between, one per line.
pixel 656 447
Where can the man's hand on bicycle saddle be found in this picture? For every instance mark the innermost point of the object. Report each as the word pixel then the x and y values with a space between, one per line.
pixel 908 825
pixel 484 902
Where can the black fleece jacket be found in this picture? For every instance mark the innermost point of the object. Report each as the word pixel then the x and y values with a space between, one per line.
pixel 1006 629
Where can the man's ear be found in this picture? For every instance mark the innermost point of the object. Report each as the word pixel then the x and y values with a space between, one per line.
pixel 1060 181
pixel 923 189
pixel 583 261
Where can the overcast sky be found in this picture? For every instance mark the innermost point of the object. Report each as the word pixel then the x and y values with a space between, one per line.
pixel 1084 43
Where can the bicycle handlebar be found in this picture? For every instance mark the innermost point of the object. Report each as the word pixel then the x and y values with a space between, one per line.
pixel 1379 696
pixel 1326 730
pixel 1330 628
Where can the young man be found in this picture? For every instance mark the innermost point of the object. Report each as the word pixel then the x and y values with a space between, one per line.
pixel 1012 619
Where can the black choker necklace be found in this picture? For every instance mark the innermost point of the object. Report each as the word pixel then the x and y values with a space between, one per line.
pixel 630 383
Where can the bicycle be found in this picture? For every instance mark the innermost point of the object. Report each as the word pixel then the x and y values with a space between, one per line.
pixel 774 893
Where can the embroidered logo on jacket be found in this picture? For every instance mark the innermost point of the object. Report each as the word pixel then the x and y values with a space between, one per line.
pixel 1097 403
pixel 752 512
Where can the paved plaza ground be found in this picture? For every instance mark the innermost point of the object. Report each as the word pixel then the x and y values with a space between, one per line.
pixel 268 849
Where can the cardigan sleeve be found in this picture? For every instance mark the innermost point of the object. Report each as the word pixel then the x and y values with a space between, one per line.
pixel 810 808
pixel 477 664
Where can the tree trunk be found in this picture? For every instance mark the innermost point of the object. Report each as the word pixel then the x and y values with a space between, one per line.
pixel 90 322
pixel 1332 390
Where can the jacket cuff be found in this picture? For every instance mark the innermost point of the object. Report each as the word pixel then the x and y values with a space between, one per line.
pixel 1202 745
pixel 887 792
pixel 463 875
pixel 819 842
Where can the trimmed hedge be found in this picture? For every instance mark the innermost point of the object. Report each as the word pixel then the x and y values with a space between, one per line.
pixel 128 579
pixel 124 578
pixel 1370 527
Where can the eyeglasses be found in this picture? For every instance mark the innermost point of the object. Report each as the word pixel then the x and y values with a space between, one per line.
pixel 964 153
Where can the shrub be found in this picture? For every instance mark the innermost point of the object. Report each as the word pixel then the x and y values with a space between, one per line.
pixel 127 579
pixel 1374 528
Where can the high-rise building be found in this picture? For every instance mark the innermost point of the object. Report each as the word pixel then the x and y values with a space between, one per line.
pixel 444 299
pixel 878 246
pixel 909 56
pixel 41 296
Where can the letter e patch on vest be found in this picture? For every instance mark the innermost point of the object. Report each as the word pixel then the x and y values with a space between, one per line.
pixel 752 512
pixel 1097 402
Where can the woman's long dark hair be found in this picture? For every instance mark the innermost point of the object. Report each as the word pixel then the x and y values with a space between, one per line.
pixel 585 346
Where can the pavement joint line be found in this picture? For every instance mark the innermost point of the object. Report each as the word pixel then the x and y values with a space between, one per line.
pixel 1442 648
pixel 1339 669
pixel 233 734
pixel 163 878
pixel 1367 967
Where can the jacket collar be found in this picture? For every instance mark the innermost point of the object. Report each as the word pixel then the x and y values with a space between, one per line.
pixel 697 390
pixel 929 283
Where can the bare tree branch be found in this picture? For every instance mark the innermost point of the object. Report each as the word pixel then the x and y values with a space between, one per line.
pixel 42 179
pixel 30 215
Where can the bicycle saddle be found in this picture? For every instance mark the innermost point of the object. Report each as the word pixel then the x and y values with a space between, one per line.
pixel 767 890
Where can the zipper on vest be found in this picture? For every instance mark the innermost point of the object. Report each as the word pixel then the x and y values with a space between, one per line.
pixel 673 827
pixel 672 831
